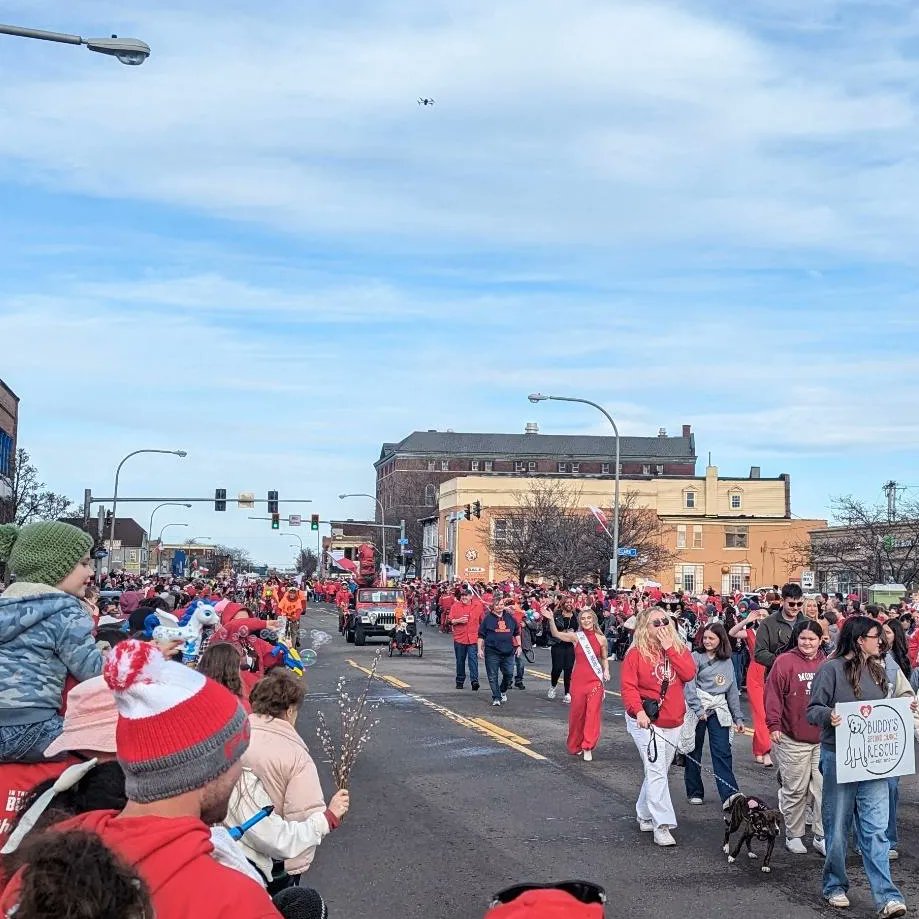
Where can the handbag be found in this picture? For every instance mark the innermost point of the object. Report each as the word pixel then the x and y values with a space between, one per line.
pixel 652 707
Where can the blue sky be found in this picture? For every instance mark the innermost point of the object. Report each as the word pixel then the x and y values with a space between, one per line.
pixel 257 247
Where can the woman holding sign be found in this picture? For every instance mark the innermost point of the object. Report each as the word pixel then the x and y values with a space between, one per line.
pixel 855 673
pixel 591 671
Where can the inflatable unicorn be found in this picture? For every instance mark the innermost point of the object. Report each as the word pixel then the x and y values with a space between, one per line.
pixel 197 617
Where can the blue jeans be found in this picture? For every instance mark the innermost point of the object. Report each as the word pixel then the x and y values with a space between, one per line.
pixel 893 799
pixel 495 662
pixel 840 802
pixel 737 661
pixel 719 746
pixel 466 654
pixel 26 743
pixel 519 668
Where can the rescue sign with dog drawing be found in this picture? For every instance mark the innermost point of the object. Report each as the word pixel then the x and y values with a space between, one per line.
pixel 874 740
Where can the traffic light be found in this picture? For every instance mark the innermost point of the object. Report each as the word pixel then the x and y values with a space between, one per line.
pixel 314 521
pixel 467 513
pixel 275 521
pixel 477 510
pixel 220 499
pixel 272 502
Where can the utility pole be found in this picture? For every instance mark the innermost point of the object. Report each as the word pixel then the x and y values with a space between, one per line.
pixel 890 489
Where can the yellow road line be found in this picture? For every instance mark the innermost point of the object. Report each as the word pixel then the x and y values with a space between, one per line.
pixel 491 731
pixel 396 682
pixel 510 735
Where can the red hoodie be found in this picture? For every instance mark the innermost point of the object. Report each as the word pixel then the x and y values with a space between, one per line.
pixel 640 679
pixel 173 856
pixel 788 690
pixel 17 781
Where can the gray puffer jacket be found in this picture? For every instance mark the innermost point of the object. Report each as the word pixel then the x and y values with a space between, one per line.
pixel 44 635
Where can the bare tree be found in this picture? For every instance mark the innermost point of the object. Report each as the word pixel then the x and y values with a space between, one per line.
pixel 307 562
pixel 231 557
pixel 31 500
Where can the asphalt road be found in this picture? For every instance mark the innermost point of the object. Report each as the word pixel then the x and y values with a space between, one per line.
pixel 446 810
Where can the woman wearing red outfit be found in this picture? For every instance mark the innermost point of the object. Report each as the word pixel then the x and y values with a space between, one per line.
pixel 756 688
pixel 591 670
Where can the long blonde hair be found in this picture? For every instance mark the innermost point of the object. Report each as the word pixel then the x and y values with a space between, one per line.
pixel 645 637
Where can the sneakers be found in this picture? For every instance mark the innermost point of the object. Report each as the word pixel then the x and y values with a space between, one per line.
pixel 504 697
pixel 820 845
pixel 551 693
pixel 839 900
pixel 696 801
pixel 795 845
pixel 894 855
pixel 588 756
pixel 568 697
pixel 646 826
pixel 475 687
pixel 519 686
pixel 663 837
pixel 496 703
pixel 893 908
pixel 459 685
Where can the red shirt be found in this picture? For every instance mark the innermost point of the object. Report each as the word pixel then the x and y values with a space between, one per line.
pixel 641 679
pixel 466 633
pixel 16 781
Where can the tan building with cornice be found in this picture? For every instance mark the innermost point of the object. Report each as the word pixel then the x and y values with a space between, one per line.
pixel 729 533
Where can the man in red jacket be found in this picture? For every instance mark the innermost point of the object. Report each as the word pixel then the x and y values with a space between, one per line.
pixel 180 737
pixel 465 616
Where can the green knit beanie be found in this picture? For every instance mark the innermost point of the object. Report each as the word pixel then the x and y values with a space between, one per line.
pixel 43 553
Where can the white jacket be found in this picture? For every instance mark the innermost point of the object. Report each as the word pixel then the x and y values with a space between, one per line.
pixel 274 837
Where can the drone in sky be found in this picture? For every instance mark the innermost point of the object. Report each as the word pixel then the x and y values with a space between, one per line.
pixel 425 101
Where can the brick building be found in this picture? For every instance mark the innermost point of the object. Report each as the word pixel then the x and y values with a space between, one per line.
pixel 9 423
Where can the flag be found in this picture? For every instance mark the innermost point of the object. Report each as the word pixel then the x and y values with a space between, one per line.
pixel 601 517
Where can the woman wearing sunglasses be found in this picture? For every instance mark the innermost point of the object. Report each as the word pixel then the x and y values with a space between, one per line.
pixel 653 674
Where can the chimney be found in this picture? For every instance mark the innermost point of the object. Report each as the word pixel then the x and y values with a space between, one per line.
pixel 531 428
pixel 687 430
pixel 662 432
pixel 754 472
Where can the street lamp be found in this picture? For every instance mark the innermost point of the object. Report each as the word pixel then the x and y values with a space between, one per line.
pixel 150 527
pixel 363 494
pixel 111 537
pixel 131 51
pixel 159 541
pixel 614 561
pixel 295 536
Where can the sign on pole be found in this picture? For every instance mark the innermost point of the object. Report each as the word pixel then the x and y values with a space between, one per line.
pixel 627 552
pixel 294 520
pixel 808 580
pixel 246 499
pixel 874 740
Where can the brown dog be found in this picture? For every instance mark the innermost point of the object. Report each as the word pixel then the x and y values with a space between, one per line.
pixel 755 819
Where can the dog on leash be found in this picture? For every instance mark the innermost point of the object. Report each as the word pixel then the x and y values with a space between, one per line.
pixel 753 818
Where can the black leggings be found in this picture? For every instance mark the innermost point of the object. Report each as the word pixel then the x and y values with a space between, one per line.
pixel 562 663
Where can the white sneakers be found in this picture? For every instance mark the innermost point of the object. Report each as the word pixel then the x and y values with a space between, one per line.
pixel 663 837
pixel 893 908
pixel 839 900
pixel 696 801
pixel 820 845
pixel 646 826
pixel 496 703
pixel 795 845
pixel 588 756
pixel 551 693
pixel 568 697
pixel 504 697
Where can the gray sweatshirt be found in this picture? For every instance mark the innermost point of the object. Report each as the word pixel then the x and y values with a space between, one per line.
pixel 717 679
pixel 831 686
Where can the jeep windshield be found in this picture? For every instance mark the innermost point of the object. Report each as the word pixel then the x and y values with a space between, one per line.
pixel 381 596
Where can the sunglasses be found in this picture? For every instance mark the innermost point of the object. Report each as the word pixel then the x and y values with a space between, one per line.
pixel 582 891
pixel 795 602
pixel 659 623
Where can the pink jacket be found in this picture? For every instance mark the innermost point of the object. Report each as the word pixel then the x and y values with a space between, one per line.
pixel 282 762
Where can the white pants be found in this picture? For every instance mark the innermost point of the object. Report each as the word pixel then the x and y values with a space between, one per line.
pixel 654 802
pixel 799 768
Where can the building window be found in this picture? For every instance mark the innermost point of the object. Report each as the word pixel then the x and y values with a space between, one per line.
pixel 431 465
pixel 619 468
pixel 501 529
pixel 646 469
pixel 697 537
pixel 474 466
pixel 736 537
pixel 681 536
pixel 688 578
pixel 562 467
pixel 735 502
pixel 660 469
pixel 575 467
pixel 531 465
pixel 519 466
pixel 444 465
pixel 429 495
pixel 689 499
pixel 737 579
pixel 604 469
pixel 6 454
pixel 489 466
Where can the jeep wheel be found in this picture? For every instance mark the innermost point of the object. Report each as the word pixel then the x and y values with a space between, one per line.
pixel 360 639
pixel 349 637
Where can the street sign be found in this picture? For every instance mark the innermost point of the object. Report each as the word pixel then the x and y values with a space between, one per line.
pixel 808 580
pixel 246 499
pixel 408 551
pixel 403 542
pixel 627 552
pixel 294 520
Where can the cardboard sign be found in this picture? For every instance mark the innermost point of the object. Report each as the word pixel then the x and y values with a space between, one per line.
pixel 874 740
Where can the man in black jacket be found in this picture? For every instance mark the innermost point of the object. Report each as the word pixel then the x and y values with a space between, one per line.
pixel 775 631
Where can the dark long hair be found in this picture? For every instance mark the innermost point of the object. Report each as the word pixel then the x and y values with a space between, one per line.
pixel 847 649
pixel 221 661
pixel 899 651
pixel 723 651
pixel 805 625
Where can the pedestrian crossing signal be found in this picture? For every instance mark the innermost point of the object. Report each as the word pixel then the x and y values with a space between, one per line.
pixel 275 521
pixel 314 521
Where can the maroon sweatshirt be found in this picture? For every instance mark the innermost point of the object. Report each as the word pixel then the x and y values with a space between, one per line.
pixel 788 689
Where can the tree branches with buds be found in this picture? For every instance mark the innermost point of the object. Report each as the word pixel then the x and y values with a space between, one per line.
pixel 355 722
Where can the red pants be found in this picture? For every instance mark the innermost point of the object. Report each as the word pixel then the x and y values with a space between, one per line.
pixel 585 717
pixel 756 689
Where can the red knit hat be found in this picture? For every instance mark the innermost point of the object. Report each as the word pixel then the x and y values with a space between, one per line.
pixel 177 730
pixel 546 904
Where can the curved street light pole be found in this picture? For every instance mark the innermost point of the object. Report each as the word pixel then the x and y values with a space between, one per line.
pixel 614 561
pixel 131 51
pixel 159 541
pixel 295 536
pixel 363 494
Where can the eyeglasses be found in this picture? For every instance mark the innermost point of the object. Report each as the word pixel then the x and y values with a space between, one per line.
pixel 582 891
pixel 659 623
pixel 795 602
pixel 875 635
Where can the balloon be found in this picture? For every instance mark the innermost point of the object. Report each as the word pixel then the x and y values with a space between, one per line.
pixel 308 657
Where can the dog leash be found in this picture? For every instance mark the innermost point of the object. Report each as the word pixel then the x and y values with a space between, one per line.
pixel 652 758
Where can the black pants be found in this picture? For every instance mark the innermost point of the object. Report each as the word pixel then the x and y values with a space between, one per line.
pixel 562 663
